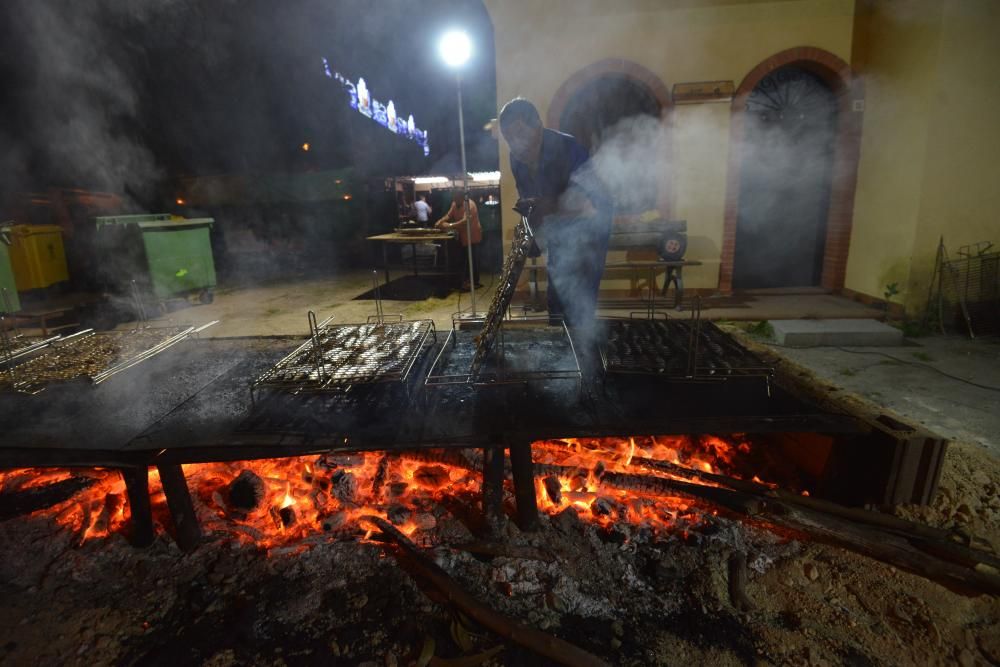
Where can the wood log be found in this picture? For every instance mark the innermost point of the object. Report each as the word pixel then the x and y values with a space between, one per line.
pixel 139 509
pixel 188 531
pixel 738 582
pixel 379 480
pixel 540 642
pixel 872 541
pixel 924 537
pixel 940 543
pixel 20 502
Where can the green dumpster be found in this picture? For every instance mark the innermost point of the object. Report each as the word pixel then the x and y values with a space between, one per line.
pixel 9 303
pixel 166 256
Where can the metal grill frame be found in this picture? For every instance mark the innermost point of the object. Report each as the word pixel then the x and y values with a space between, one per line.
pixel 501 376
pixel 25 386
pixel 321 372
pixel 499 308
pixel 695 369
pixel 968 289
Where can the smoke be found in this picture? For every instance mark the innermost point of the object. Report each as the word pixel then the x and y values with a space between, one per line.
pixel 785 159
pixel 84 103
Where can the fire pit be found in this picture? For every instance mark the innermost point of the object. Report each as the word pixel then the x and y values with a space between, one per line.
pixel 214 423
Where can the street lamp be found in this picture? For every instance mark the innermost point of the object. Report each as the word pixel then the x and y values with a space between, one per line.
pixel 455 49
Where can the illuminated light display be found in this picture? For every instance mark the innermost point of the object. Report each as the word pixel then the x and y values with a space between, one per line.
pixel 384 114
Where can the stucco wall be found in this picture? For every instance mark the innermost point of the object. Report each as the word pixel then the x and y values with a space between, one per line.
pixel 960 197
pixel 895 53
pixel 929 150
pixel 539 45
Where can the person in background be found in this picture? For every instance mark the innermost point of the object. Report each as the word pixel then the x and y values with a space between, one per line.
pixel 570 212
pixel 454 220
pixel 422 210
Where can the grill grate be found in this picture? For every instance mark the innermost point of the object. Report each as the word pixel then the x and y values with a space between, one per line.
pixel 337 357
pixel 529 350
pixel 678 349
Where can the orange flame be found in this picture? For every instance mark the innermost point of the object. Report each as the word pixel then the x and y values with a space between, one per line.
pixel 293 498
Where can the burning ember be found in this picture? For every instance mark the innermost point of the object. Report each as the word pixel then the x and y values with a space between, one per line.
pixel 290 501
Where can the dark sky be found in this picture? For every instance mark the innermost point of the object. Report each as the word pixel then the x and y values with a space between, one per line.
pixel 126 95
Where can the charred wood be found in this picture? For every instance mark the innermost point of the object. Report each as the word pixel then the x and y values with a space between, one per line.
pixel 246 492
pixel 26 501
pixel 181 509
pixel 867 540
pixel 540 642
pixel 738 582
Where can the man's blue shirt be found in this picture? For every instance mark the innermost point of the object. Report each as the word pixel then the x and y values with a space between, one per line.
pixel 561 155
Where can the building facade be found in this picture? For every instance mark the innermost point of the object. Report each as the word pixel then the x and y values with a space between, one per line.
pixel 807 143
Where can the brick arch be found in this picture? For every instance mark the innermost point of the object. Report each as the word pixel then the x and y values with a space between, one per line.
pixel 631 70
pixel 838 75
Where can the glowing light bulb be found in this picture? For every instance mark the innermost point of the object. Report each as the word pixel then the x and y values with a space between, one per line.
pixel 455 48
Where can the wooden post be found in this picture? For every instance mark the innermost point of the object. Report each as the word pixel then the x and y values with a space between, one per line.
pixel 137 488
pixel 181 510
pixel 524 485
pixel 493 488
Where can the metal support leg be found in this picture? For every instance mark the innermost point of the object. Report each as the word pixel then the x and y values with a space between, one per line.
pixel 493 488
pixel 675 275
pixel 181 510
pixel 137 489
pixel 524 485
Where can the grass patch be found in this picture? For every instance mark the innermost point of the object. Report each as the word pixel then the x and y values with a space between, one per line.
pixel 849 372
pixel 762 329
pixel 922 356
pixel 915 328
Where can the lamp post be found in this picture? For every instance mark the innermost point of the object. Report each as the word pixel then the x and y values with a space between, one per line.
pixel 455 49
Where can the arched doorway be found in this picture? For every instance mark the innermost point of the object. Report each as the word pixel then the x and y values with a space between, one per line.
pixel 616 109
pixel 790 128
pixel 849 95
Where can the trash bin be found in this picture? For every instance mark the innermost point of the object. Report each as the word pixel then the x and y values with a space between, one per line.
pixel 37 256
pixel 9 303
pixel 166 256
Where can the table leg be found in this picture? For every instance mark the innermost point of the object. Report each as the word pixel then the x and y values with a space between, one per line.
pixel 674 274
pixel 652 293
pixel 678 287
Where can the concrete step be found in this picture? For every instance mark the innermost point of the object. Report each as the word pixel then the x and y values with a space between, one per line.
pixel 819 333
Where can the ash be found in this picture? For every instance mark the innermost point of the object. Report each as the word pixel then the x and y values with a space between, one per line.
pixel 327 597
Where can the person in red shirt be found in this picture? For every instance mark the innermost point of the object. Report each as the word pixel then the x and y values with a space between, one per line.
pixel 454 220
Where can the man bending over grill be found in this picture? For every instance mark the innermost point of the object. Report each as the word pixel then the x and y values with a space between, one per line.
pixel 570 213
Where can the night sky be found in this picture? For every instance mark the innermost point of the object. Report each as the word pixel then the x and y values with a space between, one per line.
pixel 129 96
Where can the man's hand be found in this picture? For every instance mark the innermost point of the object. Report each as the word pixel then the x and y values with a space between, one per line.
pixel 535 209
pixel 526 205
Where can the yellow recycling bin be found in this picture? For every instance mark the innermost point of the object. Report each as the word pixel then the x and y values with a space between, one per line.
pixel 37 256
